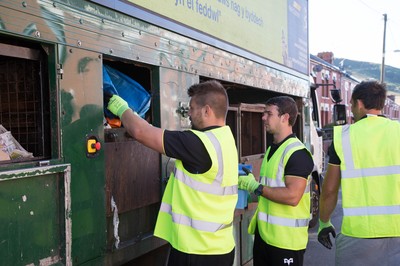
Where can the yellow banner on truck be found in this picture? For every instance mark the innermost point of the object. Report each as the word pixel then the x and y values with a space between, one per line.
pixel 275 30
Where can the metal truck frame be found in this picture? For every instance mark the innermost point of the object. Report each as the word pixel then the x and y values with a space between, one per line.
pixel 88 194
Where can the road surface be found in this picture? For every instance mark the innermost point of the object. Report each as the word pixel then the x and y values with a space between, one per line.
pixel 316 254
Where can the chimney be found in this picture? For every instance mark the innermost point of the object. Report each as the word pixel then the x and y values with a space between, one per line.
pixel 326 56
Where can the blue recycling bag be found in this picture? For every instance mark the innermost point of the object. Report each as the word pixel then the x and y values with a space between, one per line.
pixel 115 82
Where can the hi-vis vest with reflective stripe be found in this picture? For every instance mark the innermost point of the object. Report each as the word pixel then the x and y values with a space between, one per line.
pixel 369 152
pixel 197 210
pixel 281 225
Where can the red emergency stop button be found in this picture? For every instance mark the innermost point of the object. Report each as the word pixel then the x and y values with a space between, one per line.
pixel 97 146
pixel 92 146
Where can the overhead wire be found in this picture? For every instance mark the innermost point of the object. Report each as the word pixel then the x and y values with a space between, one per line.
pixel 392 26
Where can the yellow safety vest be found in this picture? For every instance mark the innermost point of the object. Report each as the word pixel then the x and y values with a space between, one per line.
pixel 197 210
pixel 369 153
pixel 281 225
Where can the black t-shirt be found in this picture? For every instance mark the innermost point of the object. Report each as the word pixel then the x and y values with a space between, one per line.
pixel 187 147
pixel 333 157
pixel 300 162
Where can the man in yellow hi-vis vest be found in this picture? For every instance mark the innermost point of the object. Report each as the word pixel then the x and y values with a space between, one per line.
pixel 280 223
pixel 197 208
pixel 364 159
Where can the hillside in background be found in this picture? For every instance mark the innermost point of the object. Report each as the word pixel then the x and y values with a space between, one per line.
pixel 365 70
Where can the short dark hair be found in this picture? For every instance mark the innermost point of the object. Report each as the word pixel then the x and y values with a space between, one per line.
pixel 210 93
pixel 286 105
pixel 371 92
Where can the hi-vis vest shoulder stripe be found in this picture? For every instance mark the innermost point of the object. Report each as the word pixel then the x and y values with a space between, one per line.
pixel 196 212
pixel 282 225
pixel 370 174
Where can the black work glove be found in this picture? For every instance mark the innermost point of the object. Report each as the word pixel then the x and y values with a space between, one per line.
pixel 323 233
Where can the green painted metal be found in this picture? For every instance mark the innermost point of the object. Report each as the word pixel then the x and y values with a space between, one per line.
pixel 90 26
pixel 30 223
pixel 32 216
pixel 82 116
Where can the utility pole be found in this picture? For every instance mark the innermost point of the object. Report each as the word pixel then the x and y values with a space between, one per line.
pixel 383 53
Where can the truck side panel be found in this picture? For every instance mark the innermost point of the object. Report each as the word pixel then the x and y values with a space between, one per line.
pixel 82 103
pixel 108 215
pixel 35 226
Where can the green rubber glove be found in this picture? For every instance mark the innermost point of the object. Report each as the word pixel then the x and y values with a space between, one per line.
pixel 323 233
pixel 117 105
pixel 248 182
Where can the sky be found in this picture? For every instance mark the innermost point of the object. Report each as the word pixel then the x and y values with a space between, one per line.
pixel 354 29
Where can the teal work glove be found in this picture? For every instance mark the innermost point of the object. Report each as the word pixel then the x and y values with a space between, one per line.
pixel 117 105
pixel 323 233
pixel 248 183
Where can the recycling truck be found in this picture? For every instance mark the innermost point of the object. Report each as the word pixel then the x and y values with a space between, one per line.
pixel 75 188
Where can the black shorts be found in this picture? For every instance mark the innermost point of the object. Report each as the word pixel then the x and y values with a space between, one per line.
pixel 267 255
pixel 177 258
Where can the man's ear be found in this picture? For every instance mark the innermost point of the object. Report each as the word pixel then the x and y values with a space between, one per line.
pixel 285 117
pixel 207 110
pixel 360 104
